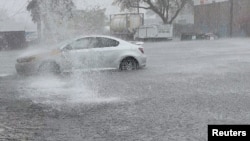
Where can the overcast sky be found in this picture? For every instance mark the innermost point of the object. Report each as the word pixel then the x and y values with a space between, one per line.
pixel 17 8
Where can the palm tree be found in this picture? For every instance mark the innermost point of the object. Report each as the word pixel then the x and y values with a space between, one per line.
pixel 34 8
pixel 43 10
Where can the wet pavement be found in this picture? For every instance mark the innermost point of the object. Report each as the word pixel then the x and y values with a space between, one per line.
pixel 185 87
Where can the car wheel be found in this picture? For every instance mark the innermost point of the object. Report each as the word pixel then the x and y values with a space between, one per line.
pixel 129 64
pixel 49 68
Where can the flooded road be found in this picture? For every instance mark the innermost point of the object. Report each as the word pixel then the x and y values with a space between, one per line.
pixel 185 87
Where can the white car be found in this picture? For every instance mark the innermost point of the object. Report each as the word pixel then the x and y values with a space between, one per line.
pixel 85 53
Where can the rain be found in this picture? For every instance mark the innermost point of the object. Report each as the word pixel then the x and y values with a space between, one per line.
pixel 74 70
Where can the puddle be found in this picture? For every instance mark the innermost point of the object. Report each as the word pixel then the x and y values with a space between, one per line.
pixel 56 90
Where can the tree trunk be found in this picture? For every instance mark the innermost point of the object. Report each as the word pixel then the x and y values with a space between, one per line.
pixel 231 17
pixel 165 21
pixel 39 30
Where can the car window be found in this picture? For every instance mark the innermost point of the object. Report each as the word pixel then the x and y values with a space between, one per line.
pixel 93 42
pixel 90 42
pixel 82 43
pixel 105 42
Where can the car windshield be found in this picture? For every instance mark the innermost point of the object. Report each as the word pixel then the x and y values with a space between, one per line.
pixel 62 44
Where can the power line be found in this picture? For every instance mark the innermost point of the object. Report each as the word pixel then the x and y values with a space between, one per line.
pixel 18 11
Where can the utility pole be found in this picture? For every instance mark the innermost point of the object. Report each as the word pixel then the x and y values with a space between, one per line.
pixel 231 17
pixel 138 6
pixel 39 22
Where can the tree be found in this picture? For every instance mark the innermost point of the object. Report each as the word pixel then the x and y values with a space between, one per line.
pixel 167 10
pixel 50 13
pixel 34 8
pixel 56 15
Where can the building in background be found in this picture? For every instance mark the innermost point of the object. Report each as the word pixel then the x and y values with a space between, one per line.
pixel 223 17
pixel 186 15
pixel 12 35
pixel 184 22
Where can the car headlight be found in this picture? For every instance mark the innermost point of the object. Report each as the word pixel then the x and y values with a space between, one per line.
pixel 26 59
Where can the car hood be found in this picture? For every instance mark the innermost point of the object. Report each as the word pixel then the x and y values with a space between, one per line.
pixel 38 53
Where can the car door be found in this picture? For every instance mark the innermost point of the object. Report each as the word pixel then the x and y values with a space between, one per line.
pixel 109 52
pixel 76 54
pixel 94 50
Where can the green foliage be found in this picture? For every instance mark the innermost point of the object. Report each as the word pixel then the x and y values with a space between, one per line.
pixel 43 8
pixel 52 14
pixel 34 9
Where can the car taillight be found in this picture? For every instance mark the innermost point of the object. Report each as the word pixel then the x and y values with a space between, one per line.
pixel 142 50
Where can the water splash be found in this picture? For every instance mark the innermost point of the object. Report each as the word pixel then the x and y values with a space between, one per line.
pixel 58 90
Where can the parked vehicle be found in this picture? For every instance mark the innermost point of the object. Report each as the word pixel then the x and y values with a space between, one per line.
pixel 211 36
pixel 196 36
pixel 84 54
pixel 125 25
pixel 154 32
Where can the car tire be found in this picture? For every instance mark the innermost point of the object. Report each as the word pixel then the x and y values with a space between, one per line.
pixel 49 68
pixel 129 64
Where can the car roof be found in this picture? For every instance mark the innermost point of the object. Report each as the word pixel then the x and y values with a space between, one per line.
pixel 102 36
